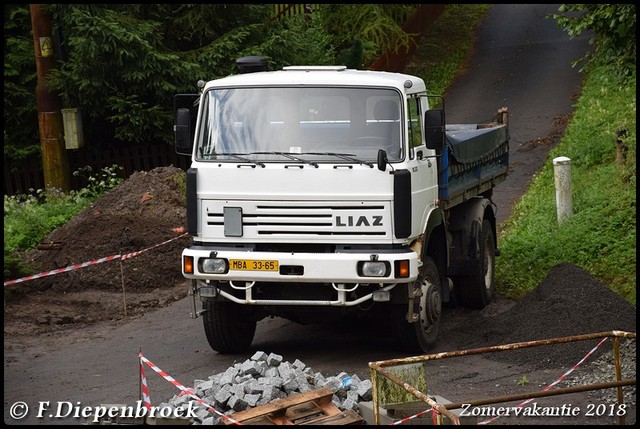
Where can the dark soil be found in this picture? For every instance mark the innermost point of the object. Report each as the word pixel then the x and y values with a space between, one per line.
pixel 568 302
pixel 147 213
pixel 148 210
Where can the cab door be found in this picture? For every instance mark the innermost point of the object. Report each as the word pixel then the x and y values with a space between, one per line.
pixel 421 163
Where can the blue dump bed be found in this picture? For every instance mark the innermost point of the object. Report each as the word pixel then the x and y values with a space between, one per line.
pixel 475 158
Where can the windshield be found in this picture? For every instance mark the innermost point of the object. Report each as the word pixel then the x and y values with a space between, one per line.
pixel 306 125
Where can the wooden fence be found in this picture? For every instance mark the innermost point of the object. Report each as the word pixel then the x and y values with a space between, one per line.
pixel 143 158
pixel 129 158
pixel 292 9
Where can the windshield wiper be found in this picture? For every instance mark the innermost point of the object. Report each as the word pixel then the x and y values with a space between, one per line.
pixel 347 156
pixel 242 158
pixel 288 155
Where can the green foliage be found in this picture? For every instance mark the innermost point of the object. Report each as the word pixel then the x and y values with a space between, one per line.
pixel 297 39
pixel 614 33
pixel 98 184
pixel 121 64
pixel 20 117
pixel 600 237
pixel 443 49
pixel 28 219
pixel 376 26
pixel 118 70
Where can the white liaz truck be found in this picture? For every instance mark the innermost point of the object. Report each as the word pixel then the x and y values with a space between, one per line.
pixel 318 191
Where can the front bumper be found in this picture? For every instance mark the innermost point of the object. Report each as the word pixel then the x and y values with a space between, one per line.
pixel 302 267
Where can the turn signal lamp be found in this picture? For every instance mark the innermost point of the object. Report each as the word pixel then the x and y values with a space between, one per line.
pixel 402 269
pixel 187 264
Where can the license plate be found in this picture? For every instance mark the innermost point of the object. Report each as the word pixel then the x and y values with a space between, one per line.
pixel 252 265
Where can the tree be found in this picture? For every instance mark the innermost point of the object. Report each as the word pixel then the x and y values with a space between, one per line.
pixel 122 64
pixel 614 32
pixel 366 30
pixel 20 78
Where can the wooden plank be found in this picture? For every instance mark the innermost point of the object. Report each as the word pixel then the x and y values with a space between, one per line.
pixel 313 407
pixel 348 417
pixel 280 407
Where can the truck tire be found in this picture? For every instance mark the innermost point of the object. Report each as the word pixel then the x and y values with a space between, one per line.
pixel 421 335
pixel 477 290
pixel 226 329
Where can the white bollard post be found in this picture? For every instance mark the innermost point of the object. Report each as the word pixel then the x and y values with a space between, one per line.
pixel 562 174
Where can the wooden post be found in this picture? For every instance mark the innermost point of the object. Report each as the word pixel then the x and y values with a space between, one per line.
pixel 55 162
pixel 621 148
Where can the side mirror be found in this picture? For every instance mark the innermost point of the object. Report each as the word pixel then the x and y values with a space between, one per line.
pixel 182 130
pixel 185 108
pixel 383 160
pixel 434 129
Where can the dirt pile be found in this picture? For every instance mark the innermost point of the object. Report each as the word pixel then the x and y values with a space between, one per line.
pixel 143 214
pixel 568 302
pixel 144 211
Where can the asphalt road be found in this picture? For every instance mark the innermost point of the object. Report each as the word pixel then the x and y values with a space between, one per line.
pixel 521 61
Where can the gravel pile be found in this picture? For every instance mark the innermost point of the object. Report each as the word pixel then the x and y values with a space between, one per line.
pixel 266 378
pixel 603 370
pixel 568 302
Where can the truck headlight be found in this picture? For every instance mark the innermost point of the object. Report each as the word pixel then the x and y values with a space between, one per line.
pixel 374 268
pixel 214 265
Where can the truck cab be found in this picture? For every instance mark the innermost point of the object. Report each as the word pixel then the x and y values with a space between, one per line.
pixel 314 191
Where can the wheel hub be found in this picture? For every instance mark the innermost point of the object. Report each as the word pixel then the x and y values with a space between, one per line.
pixel 430 303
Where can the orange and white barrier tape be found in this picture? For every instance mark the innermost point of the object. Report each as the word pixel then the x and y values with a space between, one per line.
pixel 88 264
pixel 184 389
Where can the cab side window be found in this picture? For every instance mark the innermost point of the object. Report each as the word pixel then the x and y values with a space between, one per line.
pixel 414 123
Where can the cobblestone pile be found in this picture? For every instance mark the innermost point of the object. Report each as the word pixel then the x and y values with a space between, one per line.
pixel 266 378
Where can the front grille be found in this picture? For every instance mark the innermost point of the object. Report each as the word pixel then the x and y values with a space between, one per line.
pixel 293 219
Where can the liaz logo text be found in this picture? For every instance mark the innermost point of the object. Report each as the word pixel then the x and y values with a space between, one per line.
pixel 359 221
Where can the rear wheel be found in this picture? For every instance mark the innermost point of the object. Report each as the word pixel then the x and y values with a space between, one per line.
pixel 422 334
pixel 227 326
pixel 477 289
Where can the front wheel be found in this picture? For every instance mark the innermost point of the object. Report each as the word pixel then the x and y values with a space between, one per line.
pixel 421 335
pixel 227 326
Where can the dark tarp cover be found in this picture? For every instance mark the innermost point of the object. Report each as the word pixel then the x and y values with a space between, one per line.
pixel 469 144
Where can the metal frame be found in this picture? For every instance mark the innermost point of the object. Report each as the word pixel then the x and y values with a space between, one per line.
pixel 378 368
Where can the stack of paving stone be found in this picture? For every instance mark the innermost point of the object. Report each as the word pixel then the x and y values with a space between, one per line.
pixel 266 378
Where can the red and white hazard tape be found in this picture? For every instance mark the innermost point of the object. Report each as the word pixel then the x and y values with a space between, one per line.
pixel 143 385
pixel 406 419
pixel 87 264
pixel 562 377
pixel 184 389
pixel 134 254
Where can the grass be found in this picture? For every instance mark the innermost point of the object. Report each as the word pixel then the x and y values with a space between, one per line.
pixel 29 219
pixel 600 237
